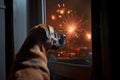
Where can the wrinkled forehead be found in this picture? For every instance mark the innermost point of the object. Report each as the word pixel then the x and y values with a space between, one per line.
pixel 48 29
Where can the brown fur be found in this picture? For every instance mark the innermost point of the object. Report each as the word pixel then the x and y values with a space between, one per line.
pixel 31 63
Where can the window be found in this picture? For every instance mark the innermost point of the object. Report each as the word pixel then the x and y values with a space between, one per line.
pixel 73 18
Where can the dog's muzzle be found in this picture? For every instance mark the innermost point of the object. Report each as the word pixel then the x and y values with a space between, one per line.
pixel 56 39
pixel 60 41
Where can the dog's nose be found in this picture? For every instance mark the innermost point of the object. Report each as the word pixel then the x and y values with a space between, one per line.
pixel 64 36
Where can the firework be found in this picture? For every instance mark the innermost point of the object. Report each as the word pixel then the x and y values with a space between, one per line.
pixel 72 22
pixel 88 36
pixel 69 23
pixel 72 25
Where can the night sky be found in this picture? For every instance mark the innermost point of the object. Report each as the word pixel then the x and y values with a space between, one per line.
pixel 82 8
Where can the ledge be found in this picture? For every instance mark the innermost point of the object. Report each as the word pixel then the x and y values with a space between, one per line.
pixel 71 71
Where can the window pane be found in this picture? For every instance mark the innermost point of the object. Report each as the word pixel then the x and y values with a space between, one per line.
pixel 73 18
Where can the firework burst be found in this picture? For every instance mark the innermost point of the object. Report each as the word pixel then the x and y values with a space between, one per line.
pixel 69 23
pixel 72 25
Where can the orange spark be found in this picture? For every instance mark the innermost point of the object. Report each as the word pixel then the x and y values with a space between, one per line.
pixel 58 5
pixel 53 17
pixel 71 29
pixel 62 11
pixel 88 36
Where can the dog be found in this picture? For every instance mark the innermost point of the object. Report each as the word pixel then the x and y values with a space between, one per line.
pixel 31 62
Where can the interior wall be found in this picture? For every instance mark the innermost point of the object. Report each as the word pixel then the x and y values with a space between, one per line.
pixel 13 29
pixel 20 22
pixel 2 40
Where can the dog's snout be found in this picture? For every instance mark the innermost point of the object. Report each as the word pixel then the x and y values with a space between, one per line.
pixel 64 36
pixel 60 41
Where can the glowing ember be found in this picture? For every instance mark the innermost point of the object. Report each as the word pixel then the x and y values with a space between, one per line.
pixel 53 17
pixel 59 5
pixel 88 36
pixel 60 16
pixel 68 11
pixel 71 29
pixel 72 26
pixel 62 11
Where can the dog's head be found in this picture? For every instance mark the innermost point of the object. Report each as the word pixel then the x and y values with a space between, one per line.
pixel 50 35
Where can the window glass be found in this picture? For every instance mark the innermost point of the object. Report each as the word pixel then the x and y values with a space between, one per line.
pixel 72 18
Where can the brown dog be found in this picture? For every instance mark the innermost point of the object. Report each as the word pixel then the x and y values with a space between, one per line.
pixel 31 62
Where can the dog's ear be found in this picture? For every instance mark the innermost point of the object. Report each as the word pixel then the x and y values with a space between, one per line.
pixel 43 33
pixel 47 32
